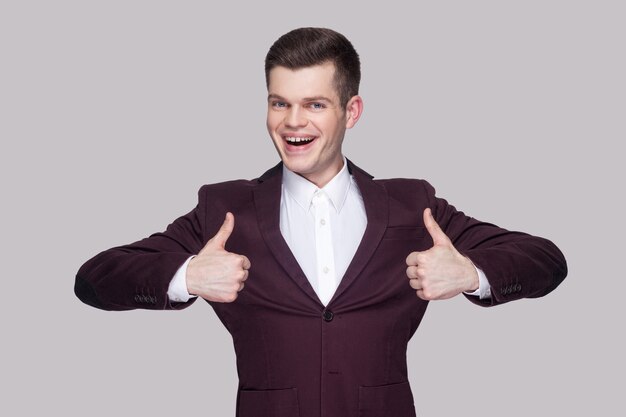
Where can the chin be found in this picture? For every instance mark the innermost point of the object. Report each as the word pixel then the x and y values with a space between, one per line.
pixel 298 168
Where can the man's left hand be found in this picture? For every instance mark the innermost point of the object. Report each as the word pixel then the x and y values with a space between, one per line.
pixel 440 272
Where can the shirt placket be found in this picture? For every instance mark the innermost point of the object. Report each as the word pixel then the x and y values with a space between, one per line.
pixel 324 248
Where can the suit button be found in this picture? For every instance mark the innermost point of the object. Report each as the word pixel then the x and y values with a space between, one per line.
pixel 328 315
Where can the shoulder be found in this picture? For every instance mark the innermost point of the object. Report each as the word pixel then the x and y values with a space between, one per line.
pixel 233 195
pixel 227 193
pixel 406 191
pixel 228 186
pixel 406 200
pixel 395 187
pixel 403 188
pixel 240 186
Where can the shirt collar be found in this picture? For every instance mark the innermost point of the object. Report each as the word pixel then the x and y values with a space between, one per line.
pixel 303 191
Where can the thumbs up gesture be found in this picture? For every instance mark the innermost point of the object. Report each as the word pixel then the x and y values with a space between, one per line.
pixel 216 274
pixel 440 272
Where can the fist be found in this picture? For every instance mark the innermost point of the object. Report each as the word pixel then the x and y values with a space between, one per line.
pixel 440 272
pixel 216 274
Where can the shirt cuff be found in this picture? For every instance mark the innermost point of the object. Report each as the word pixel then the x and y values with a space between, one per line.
pixel 177 290
pixel 484 289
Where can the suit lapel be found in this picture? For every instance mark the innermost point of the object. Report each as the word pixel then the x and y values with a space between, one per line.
pixel 267 196
pixel 376 210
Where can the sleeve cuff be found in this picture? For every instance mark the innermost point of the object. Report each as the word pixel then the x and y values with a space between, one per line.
pixel 177 290
pixel 484 289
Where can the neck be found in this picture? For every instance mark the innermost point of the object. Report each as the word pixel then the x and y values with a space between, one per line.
pixel 326 176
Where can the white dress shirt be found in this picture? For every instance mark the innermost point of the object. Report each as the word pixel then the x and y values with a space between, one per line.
pixel 327 222
pixel 323 228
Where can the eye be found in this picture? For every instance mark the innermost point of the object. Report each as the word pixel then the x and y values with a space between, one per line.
pixel 279 104
pixel 317 106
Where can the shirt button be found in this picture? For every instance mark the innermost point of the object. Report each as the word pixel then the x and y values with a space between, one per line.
pixel 325 270
pixel 322 222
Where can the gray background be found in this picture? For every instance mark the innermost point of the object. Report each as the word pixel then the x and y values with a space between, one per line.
pixel 114 113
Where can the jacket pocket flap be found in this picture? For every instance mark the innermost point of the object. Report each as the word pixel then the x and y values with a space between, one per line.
pixel 268 403
pixel 394 400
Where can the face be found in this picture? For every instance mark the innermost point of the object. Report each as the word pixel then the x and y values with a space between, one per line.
pixel 307 122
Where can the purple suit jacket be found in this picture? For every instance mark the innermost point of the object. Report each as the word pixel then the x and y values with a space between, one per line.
pixel 296 357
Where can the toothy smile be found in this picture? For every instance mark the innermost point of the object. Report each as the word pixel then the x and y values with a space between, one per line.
pixel 295 139
pixel 299 140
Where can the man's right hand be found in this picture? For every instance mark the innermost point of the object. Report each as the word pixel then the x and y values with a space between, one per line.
pixel 216 274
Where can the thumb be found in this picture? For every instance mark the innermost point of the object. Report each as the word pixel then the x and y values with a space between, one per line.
pixel 438 236
pixel 219 240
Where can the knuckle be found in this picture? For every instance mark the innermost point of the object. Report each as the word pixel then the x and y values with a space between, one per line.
pixel 410 260
pixel 234 260
pixel 409 272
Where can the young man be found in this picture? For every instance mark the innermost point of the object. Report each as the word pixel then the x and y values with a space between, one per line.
pixel 328 272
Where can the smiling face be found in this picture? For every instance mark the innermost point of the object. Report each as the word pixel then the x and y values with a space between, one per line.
pixel 307 122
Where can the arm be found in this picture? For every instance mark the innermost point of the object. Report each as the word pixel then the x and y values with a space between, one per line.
pixel 138 275
pixel 517 265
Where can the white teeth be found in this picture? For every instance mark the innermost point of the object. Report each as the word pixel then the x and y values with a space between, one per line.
pixel 294 139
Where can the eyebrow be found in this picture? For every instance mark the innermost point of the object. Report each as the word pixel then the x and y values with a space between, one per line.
pixel 317 98
pixel 275 96
pixel 314 98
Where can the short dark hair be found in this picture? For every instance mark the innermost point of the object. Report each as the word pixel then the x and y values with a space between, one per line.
pixel 306 47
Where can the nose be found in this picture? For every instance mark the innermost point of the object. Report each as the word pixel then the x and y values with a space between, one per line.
pixel 295 117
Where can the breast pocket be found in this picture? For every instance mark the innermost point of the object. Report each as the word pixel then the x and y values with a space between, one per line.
pixel 269 403
pixel 394 400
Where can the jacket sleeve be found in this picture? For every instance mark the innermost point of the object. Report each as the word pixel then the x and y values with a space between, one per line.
pixel 138 275
pixel 517 265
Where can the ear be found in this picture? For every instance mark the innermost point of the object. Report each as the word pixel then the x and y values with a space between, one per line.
pixel 354 109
